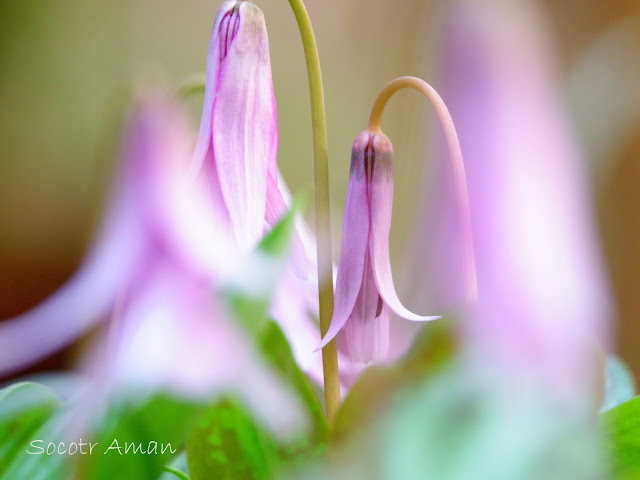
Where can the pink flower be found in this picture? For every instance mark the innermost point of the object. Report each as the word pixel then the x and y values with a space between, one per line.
pixel 236 154
pixel 364 289
pixel 154 269
pixel 543 298
pixel 238 140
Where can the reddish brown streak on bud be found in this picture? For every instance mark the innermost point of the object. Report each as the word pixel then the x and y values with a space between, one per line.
pixel 228 29
pixel 369 159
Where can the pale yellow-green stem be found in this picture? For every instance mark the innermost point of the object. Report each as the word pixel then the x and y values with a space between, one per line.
pixel 195 83
pixel 455 155
pixel 323 224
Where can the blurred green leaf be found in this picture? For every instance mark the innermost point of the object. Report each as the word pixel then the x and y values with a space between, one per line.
pixel 24 408
pixel 230 444
pixel 277 351
pixel 620 385
pixel 622 429
pixel 276 242
pixel 375 389
pixel 139 437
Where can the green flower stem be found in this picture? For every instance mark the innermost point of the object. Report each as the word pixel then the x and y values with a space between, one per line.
pixel 323 224
pixel 181 475
pixel 457 164
pixel 193 84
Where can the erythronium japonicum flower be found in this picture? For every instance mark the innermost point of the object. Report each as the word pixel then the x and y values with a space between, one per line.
pixel 364 289
pixel 238 140
pixel 236 155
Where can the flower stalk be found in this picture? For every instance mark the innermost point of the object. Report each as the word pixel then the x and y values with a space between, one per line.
pixel 455 155
pixel 323 224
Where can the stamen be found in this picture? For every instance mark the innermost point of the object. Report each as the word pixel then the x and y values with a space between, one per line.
pixel 379 307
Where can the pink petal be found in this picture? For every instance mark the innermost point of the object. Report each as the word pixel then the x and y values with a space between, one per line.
pixel 213 66
pixel 174 335
pixel 355 234
pixel 276 207
pixel 367 331
pixel 381 193
pixel 244 124
pixel 85 299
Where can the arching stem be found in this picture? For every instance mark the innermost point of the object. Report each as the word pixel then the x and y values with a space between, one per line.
pixel 323 223
pixel 455 155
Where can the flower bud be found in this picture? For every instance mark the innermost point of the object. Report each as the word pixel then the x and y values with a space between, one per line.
pixel 364 288
pixel 238 139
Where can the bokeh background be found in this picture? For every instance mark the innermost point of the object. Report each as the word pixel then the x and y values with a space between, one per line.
pixel 67 69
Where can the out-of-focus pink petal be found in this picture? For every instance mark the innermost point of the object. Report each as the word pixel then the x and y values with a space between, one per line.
pixel 85 299
pixel 156 209
pixel 367 331
pixel 543 296
pixel 276 207
pixel 355 236
pixel 381 198
pixel 244 123
pixel 174 206
pixel 174 336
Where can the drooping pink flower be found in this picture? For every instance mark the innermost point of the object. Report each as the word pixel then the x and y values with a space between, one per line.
pixel 365 292
pixel 543 299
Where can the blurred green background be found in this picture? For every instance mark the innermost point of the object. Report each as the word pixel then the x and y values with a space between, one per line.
pixel 66 68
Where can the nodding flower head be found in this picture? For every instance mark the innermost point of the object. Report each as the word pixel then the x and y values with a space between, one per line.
pixel 364 288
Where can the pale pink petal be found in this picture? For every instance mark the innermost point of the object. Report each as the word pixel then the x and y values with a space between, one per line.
pixel 276 207
pixel 85 299
pixel 244 123
pixel 381 197
pixel 367 331
pixel 214 56
pixel 175 207
pixel 174 336
pixel 355 235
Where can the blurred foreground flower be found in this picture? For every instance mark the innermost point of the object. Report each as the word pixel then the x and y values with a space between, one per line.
pixel 154 269
pixel 543 303
pixel 364 287
pixel 154 210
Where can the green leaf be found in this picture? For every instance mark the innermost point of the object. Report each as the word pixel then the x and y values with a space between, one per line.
pixel 139 437
pixel 227 445
pixel 277 351
pixel 622 429
pixel 377 386
pixel 620 385
pixel 276 242
pixel 230 444
pixel 24 408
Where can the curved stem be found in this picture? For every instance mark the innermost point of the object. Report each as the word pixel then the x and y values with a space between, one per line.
pixel 192 84
pixel 178 473
pixel 323 224
pixel 455 155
